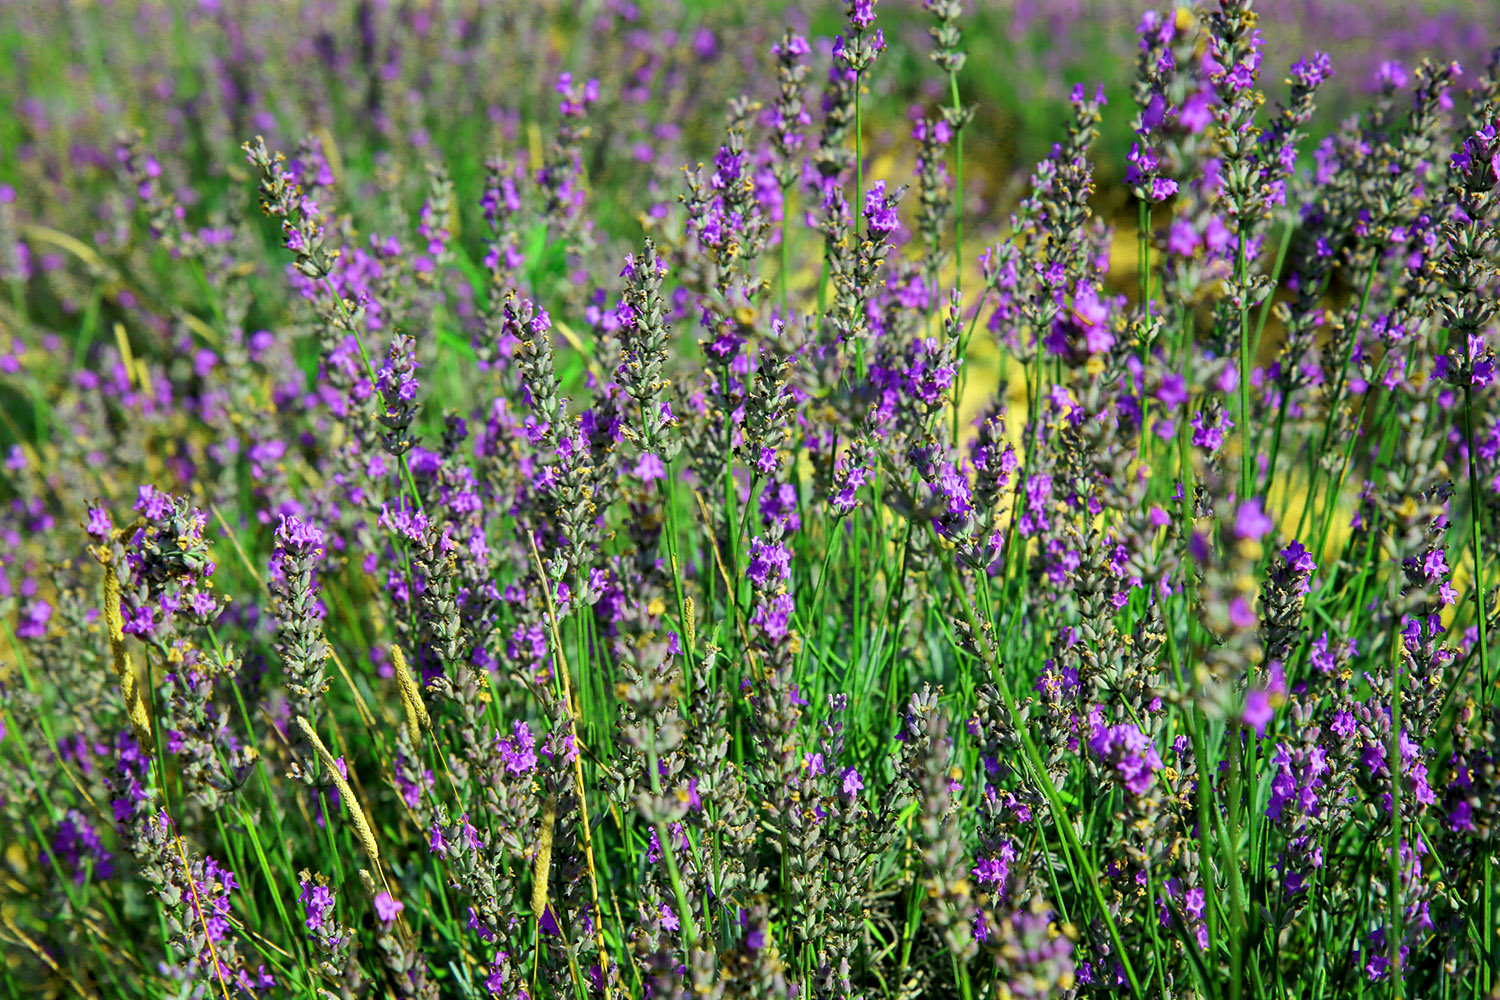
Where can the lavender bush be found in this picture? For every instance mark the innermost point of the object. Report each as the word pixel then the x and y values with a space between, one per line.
pixel 528 502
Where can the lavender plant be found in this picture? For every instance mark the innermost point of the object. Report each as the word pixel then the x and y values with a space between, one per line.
pixel 674 518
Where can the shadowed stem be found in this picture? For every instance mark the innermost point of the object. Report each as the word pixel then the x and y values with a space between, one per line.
pixel 1055 804
pixel 1486 695
pixel 1476 538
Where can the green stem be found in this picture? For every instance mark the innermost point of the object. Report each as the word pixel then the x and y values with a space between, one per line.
pixel 1247 458
pixel 669 852
pixel 1265 307
pixel 1486 973
pixel 1476 499
pixel 1336 398
pixel 1395 932
pixel 958 186
pixel 859 157
pixel 1060 814
pixel 785 253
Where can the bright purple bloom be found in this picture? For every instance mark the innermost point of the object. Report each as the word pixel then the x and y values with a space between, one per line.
pixel 317 900
pixel 386 908
pixel 650 467
pixel 519 750
pixel 880 211
pixel 1258 712
pixel 1251 521
pixel 1125 750
pixel 770 563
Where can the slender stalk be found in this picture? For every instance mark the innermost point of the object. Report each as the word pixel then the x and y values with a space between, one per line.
pixel 1395 931
pixel 1060 815
pixel 669 851
pixel 1486 693
pixel 1247 456
pixel 1265 307
pixel 859 155
pixel 1336 399
pixel 958 186
pixel 786 264
pixel 1476 500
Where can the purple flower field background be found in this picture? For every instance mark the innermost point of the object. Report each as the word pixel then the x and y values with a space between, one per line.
pixel 930 499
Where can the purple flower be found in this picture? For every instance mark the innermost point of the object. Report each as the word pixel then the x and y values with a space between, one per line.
pixel 386 908
pixel 852 783
pixel 317 899
pixel 138 621
pixel 1125 750
pixel 297 536
pixel 1251 521
pixel 1391 74
pixel 1210 436
pixel 203 605
pixel 996 869
pixel 518 751
pixel 795 45
pixel 1084 326
pixel 1173 391
pixel 774 617
pixel 99 523
pixel 1162 188
pixel 1298 559
pixel 1258 712
pixel 1311 73
pixel 76 844
pixel 770 563
pixel 33 619
pixel 650 467
pixel 880 211
pixel 152 503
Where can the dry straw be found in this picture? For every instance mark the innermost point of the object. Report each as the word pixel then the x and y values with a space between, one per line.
pixel 417 718
pixel 356 811
pixel 114 624
pixel 541 869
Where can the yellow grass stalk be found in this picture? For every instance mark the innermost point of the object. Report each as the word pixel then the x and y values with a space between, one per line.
pixel 356 811
pixel 417 718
